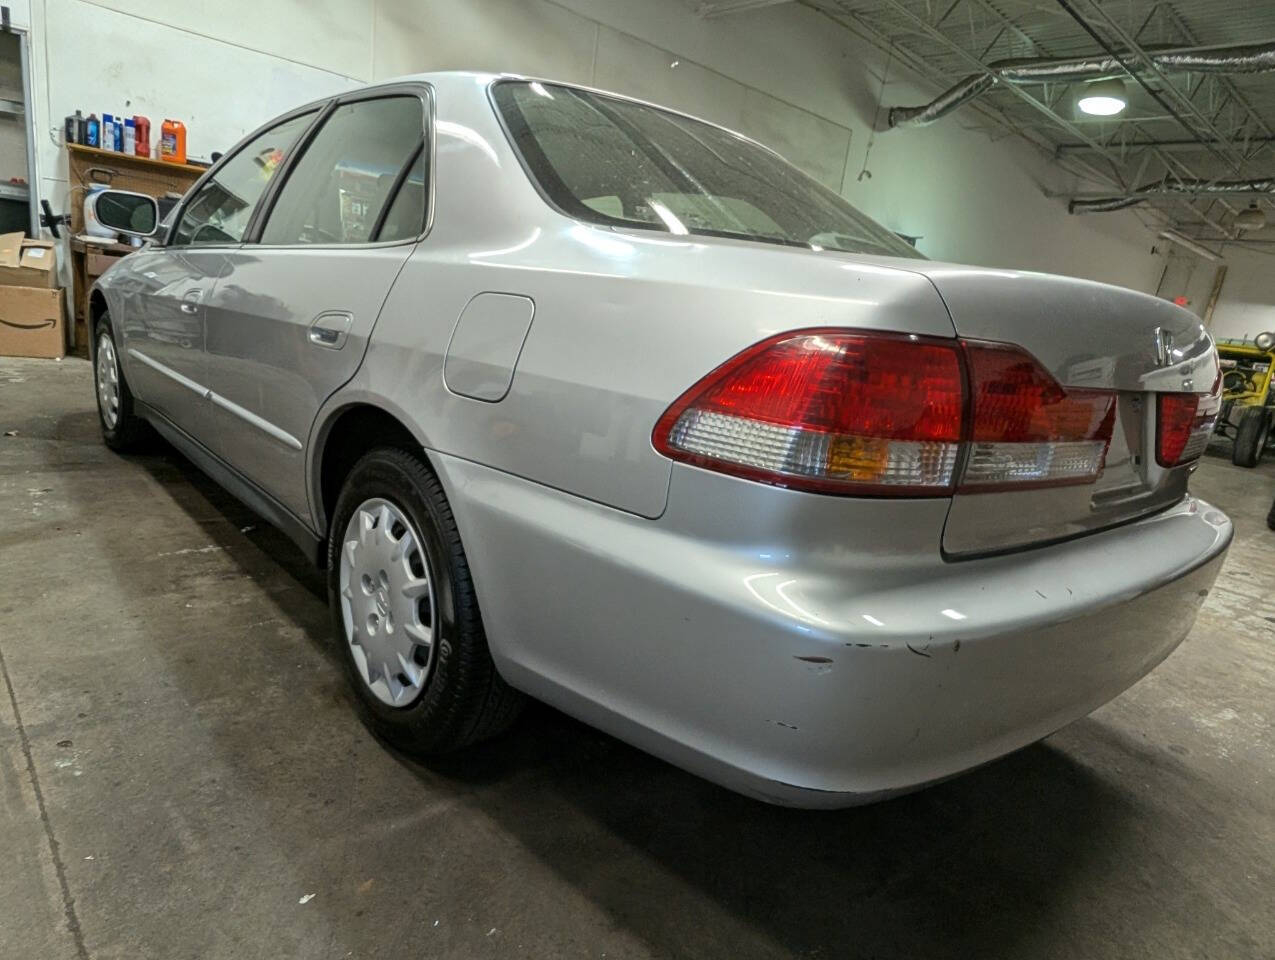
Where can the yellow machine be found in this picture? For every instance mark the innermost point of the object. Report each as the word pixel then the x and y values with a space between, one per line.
pixel 1247 402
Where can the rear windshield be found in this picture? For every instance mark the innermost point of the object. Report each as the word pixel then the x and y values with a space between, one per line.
pixel 614 162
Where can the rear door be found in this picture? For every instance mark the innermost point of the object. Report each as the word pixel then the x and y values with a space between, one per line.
pixel 288 322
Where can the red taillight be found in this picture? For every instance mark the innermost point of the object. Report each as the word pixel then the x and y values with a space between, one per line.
pixel 1027 430
pixel 827 410
pixel 841 411
pixel 1183 424
pixel 1175 419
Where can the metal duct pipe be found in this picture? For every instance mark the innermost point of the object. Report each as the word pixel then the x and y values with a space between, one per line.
pixel 1192 186
pixel 944 103
pixel 1109 205
pixel 1246 58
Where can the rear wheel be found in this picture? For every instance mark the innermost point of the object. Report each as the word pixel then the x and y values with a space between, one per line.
pixel 1250 437
pixel 122 429
pixel 405 614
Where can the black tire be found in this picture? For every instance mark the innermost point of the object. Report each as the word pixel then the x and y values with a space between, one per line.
pixel 1270 517
pixel 463 700
pixel 129 431
pixel 1250 437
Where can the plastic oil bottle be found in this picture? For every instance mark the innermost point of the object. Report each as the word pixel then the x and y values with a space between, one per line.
pixel 172 141
pixel 142 135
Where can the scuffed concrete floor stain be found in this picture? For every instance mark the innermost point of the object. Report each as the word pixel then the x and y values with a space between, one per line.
pixel 182 774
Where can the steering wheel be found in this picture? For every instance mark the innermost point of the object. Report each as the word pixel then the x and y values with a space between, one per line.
pixel 221 236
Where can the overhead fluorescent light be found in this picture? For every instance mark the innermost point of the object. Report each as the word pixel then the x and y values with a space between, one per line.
pixel 1253 218
pixel 1103 98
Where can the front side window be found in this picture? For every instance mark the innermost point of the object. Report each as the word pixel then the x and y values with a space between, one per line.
pixel 612 161
pixel 220 211
pixel 343 182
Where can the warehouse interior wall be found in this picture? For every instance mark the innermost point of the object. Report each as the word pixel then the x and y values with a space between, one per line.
pixel 1245 305
pixel 785 74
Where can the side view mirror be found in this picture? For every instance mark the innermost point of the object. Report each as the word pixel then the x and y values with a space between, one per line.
pixel 135 214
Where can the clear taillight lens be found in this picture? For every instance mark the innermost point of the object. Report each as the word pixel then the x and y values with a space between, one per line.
pixel 829 411
pixel 1027 430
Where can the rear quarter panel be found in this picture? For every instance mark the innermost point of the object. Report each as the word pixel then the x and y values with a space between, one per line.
pixel 624 321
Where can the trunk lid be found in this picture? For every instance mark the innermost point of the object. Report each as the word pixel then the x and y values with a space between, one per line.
pixel 1088 335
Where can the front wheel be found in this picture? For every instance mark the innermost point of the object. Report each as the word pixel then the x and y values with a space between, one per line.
pixel 122 428
pixel 1250 437
pixel 405 614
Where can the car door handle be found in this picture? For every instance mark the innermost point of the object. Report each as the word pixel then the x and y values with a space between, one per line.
pixel 188 307
pixel 330 330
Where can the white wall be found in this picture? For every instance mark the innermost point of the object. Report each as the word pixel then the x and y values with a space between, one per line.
pixel 1246 306
pixel 1246 303
pixel 785 74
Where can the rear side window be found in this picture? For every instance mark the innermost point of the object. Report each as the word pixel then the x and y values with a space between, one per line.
pixel 348 176
pixel 220 211
pixel 612 161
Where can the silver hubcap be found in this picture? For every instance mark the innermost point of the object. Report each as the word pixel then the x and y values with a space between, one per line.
pixel 108 381
pixel 387 602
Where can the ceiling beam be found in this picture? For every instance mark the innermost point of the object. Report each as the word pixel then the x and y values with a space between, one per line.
pixel 1158 194
pixel 1183 145
pixel 722 8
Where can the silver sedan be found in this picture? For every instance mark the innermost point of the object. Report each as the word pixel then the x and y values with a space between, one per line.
pixel 583 399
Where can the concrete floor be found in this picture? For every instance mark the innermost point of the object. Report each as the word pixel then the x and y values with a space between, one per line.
pixel 182 774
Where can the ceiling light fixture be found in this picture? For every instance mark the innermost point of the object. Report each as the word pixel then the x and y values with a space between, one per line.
pixel 1103 98
pixel 1254 218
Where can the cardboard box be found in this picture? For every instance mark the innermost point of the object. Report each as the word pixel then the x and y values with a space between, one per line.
pixel 32 322
pixel 96 264
pixel 27 263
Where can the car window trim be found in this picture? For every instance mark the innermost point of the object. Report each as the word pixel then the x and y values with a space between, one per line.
pixel 400 178
pixel 424 92
pixel 265 205
pixel 316 107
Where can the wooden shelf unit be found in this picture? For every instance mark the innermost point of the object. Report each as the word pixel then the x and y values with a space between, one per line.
pixel 87 166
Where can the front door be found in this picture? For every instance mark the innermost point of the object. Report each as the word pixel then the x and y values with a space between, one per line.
pixel 289 322
pixel 164 318
pixel 163 332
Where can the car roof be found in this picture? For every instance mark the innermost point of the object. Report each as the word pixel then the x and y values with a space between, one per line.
pixel 457 78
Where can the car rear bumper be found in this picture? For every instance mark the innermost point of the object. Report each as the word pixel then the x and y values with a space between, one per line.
pixel 804 674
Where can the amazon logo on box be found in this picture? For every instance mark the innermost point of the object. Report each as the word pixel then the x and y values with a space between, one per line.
pixel 31 322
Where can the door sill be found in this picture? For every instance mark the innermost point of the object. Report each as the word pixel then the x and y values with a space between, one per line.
pixel 239 486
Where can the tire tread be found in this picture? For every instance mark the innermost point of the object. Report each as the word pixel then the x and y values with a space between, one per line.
pixel 1247 451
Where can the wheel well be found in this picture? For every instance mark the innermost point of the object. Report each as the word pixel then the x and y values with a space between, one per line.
pixel 355 431
pixel 97 307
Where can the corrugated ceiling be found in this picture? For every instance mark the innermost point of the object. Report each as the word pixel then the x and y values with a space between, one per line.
pixel 1212 127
